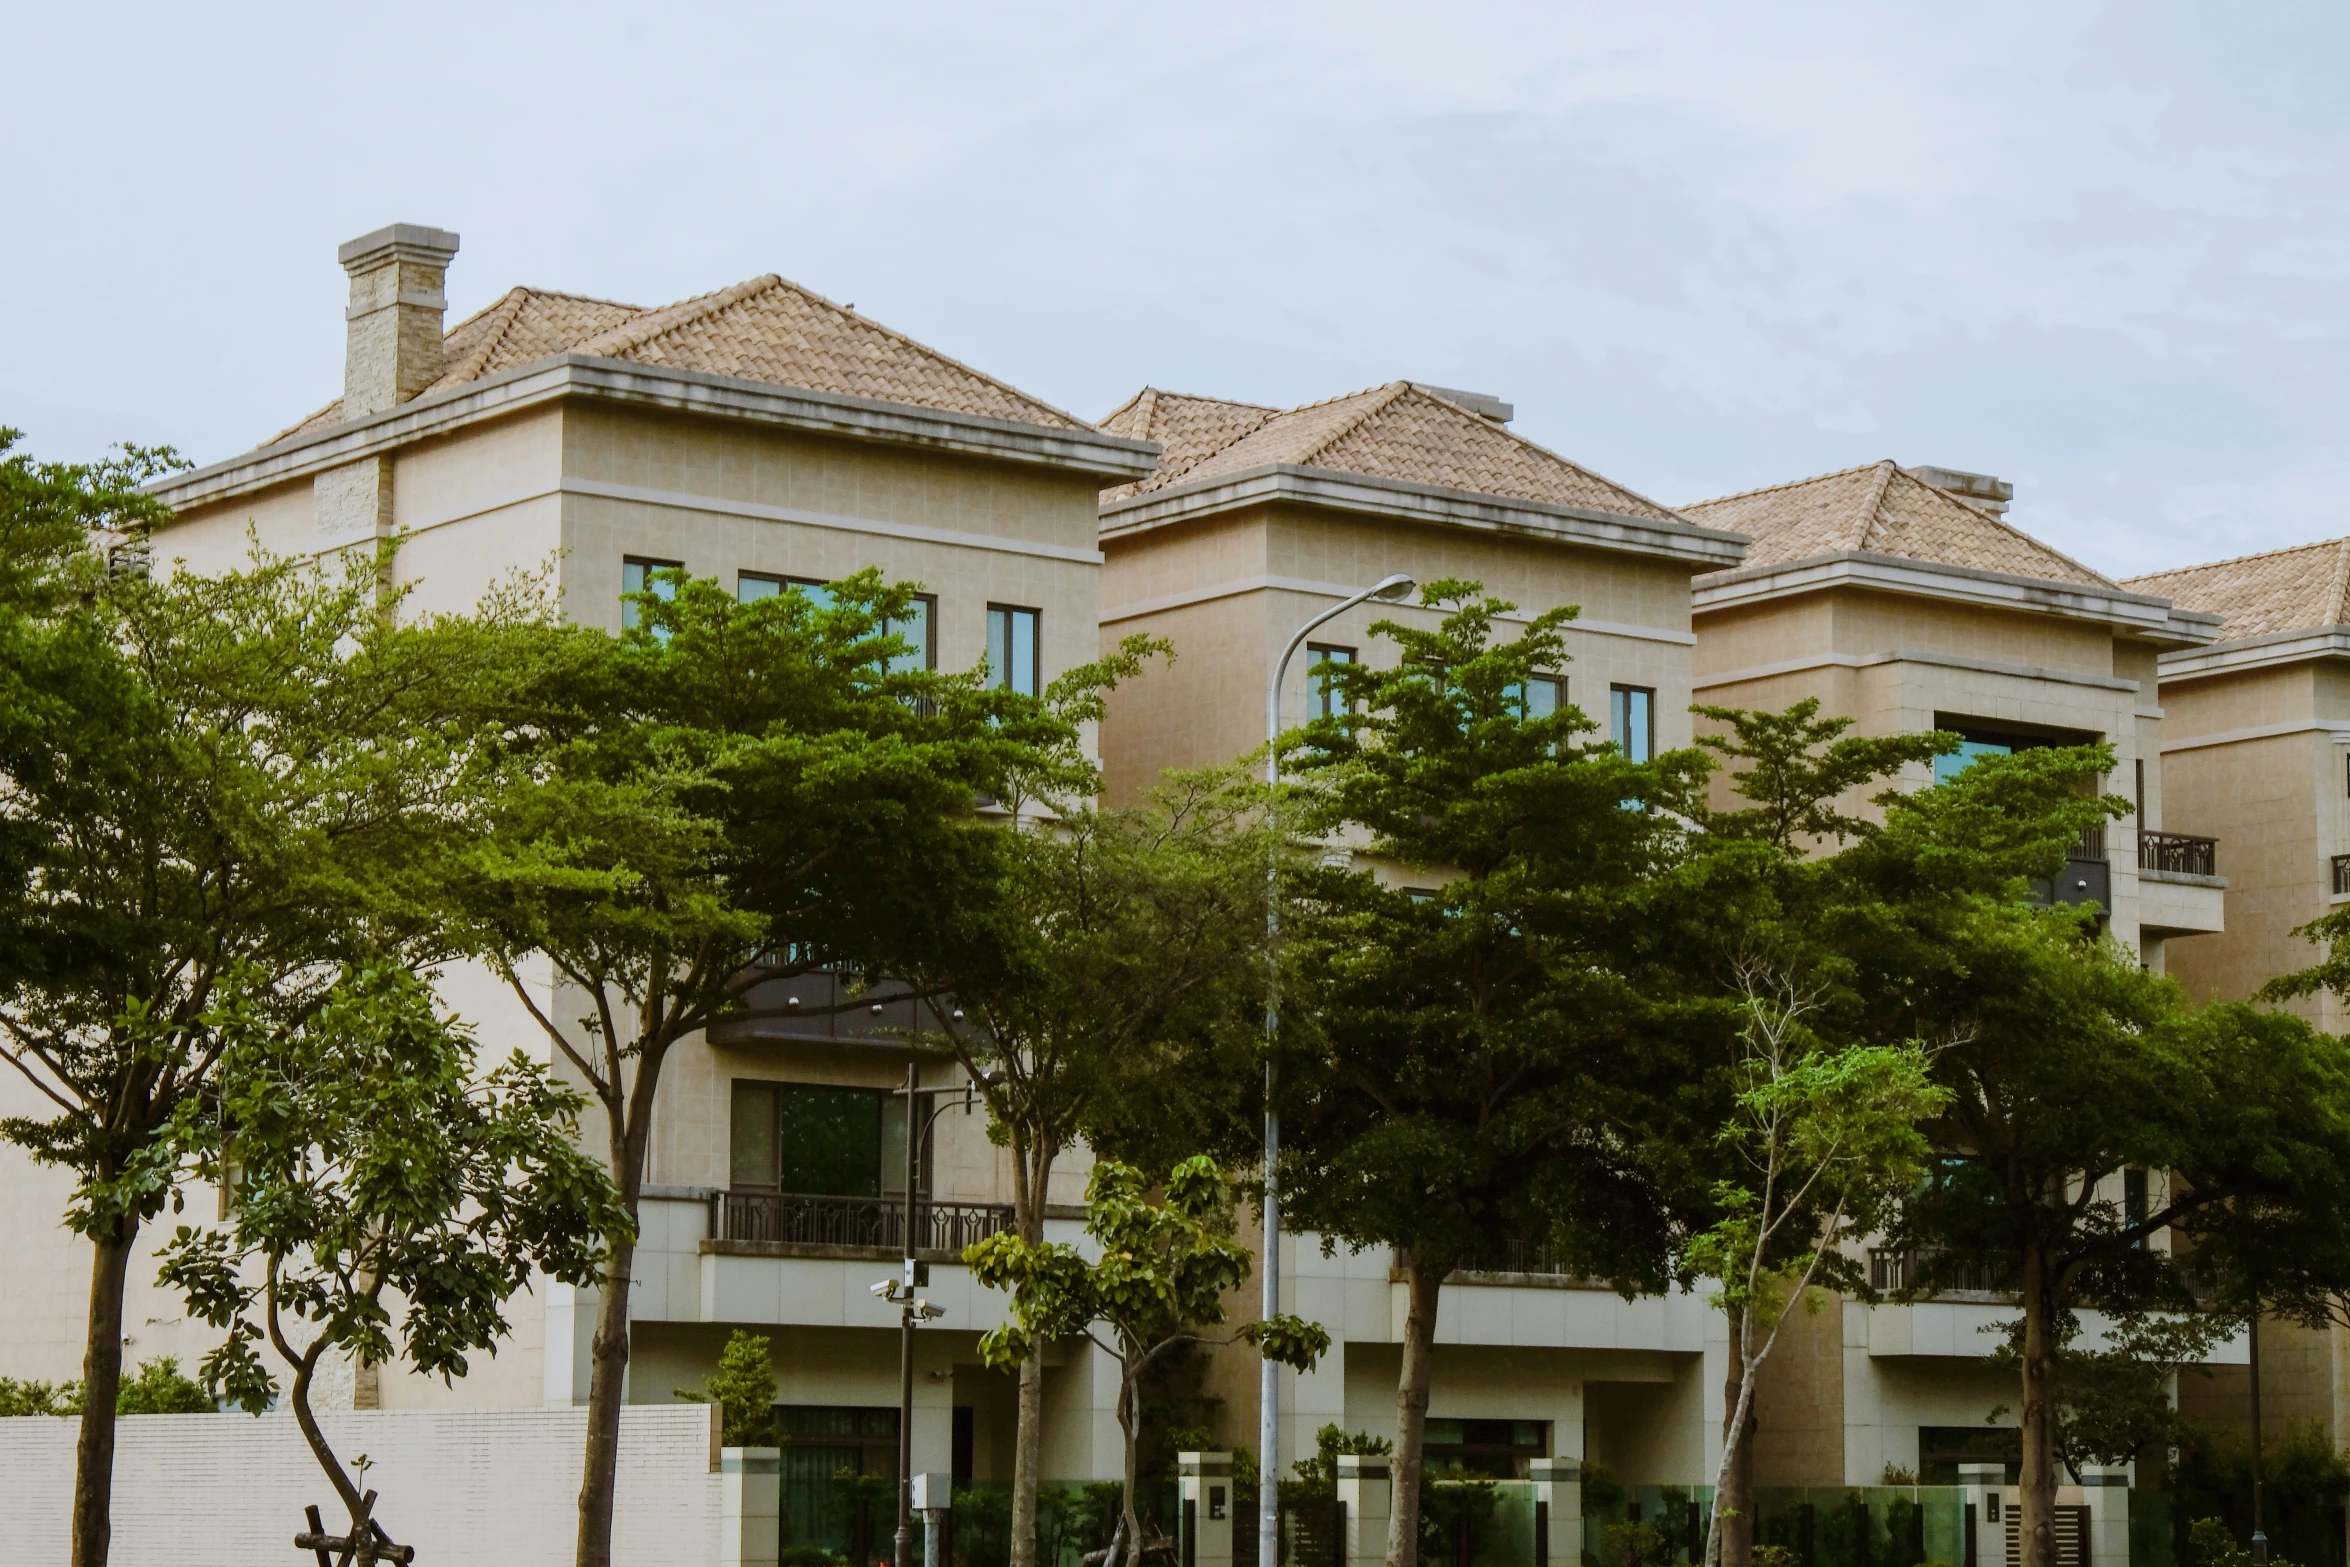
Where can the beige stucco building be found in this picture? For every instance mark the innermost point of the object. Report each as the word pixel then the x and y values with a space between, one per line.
pixel 1901 599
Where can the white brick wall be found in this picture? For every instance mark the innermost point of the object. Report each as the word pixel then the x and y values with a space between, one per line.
pixel 462 1487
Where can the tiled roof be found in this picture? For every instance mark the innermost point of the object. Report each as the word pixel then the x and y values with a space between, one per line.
pixel 764 330
pixel 2284 590
pixel 1398 431
pixel 1885 510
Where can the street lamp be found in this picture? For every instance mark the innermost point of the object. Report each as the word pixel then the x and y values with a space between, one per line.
pixel 912 1313
pixel 1268 1378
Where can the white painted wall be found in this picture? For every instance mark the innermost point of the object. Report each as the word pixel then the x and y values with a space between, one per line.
pixel 460 1486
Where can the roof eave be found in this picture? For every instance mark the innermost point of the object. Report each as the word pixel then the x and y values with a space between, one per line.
pixel 1700 548
pixel 2136 615
pixel 2244 654
pixel 1110 458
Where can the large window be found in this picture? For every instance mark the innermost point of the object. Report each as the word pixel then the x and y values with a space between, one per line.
pixel 636 576
pixel 1012 648
pixel 1631 721
pixel 914 626
pixel 1321 691
pixel 817 1140
pixel 1968 753
pixel 1494 1447
pixel 1541 696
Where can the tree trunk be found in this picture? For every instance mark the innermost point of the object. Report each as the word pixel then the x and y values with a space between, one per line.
pixel 607 1374
pixel 1130 1417
pixel 1734 1499
pixel 2038 1485
pixel 1411 1408
pixel 1030 1173
pixel 93 1472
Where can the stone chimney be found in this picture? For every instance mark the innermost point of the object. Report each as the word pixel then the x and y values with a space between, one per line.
pixel 393 327
pixel 1484 404
pixel 1978 490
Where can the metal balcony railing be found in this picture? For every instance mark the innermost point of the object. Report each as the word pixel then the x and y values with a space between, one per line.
pixel 2183 855
pixel 2091 845
pixel 2341 874
pixel 875 1223
pixel 1932 1272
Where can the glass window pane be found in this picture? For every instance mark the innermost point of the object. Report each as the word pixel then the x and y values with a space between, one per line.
pixel 1320 692
pixel 831 1141
pixel 1541 696
pixel 893 1147
pixel 999 644
pixel 753 1135
pixel 1024 651
pixel 1011 648
pixel 635 577
pixel 749 589
pixel 1631 713
pixel 1949 767
pixel 914 627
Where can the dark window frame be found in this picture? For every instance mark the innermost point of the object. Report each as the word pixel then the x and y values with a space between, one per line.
pixel 1616 730
pixel 1318 693
pixel 645 583
pixel 1002 679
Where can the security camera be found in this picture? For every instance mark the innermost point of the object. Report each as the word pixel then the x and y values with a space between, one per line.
pixel 928 1312
pixel 887 1289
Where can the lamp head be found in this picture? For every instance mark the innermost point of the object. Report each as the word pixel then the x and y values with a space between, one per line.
pixel 1393 588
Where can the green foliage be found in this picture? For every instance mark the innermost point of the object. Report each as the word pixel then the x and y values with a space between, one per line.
pixel 158 1389
pixel 1800 768
pixel 1164 1268
pixel 35 1397
pixel 378 1171
pixel 161 1389
pixel 1319 1474
pixel 744 1387
pixel 54 517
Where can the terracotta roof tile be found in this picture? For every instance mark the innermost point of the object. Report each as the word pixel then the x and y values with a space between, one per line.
pixel 2255 595
pixel 765 329
pixel 1886 510
pixel 1398 431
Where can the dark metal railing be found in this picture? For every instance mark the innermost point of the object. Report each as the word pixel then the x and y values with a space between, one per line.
pixel 872 1222
pixel 2184 855
pixel 2341 874
pixel 2091 845
pixel 1927 1271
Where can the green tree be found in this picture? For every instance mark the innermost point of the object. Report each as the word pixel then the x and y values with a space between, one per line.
pixel 1114 999
pixel 1740 924
pixel 2068 1067
pixel 210 774
pixel 159 1389
pixel 743 1387
pixel 1164 1267
pixel 1456 1020
pixel 1829 1134
pixel 724 795
pixel 377 1174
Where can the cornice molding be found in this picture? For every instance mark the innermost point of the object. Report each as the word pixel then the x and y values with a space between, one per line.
pixel 2265 652
pixel 1904 655
pixel 1339 590
pixel 622 381
pixel 1686 543
pixel 2149 619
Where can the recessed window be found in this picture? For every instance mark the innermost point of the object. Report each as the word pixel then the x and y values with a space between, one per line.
pixel 1541 696
pixel 1012 661
pixel 817 1140
pixel 1631 721
pixel 914 626
pixel 636 577
pixel 1321 691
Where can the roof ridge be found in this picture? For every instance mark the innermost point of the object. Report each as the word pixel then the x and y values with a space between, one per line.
pixel 2238 560
pixel 2004 526
pixel 1372 403
pixel 1151 392
pixel 1533 445
pixel 1785 484
pixel 1226 402
pixel 1873 512
pixel 2341 583
pixel 615 342
pixel 510 303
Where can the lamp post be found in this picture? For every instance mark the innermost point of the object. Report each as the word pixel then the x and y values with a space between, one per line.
pixel 1268 1378
pixel 912 1313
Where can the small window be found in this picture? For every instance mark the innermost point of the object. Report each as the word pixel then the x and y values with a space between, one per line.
pixel 1631 712
pixel 1541 696
pixel 817 1140
pixel 2134 1208
pixel 914 626
pixel 1011 648
pixel 1321 692
pixel 636 576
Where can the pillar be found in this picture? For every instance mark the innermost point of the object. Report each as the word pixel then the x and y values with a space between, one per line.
pixel 1558 1515
pixel 750 1506
pixel 1986 1501
pixel 1368 1495
pixel 1204 1486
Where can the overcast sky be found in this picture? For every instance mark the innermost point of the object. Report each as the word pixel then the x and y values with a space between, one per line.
pixel 2099 251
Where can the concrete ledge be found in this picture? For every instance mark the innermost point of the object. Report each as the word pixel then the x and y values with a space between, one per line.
pixel 786 1250
pixel 2152 618
pixel 1514 1281
pixel 2183 878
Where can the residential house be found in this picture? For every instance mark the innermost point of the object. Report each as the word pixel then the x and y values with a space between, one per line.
pixel 775 440
pixel 1901 599
pixel 1257 519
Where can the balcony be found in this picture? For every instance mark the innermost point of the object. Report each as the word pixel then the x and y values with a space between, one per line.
pixel 2178 854
pixel 2087 877
pixel 2342 875
pixel 850 1225
pixel 1931 1272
